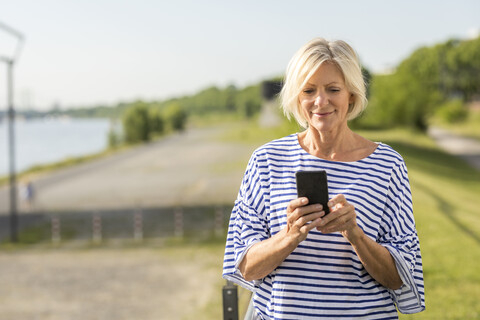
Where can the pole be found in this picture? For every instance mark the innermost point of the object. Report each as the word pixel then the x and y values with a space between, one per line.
pixel 11 151
pixel 230 301
pixel 11 129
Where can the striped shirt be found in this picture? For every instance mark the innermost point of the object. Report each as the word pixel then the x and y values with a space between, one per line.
pixel 323 277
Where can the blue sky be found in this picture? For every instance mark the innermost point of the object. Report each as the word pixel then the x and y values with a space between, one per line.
pixel 84 53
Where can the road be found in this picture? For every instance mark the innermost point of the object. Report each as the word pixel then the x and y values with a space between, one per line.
pixel 193 168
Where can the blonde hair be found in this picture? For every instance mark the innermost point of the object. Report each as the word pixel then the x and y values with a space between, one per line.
pixel 305 63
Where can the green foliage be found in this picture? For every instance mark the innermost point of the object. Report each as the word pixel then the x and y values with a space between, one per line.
pixel 176 117
pixel 157 122
pixel 249 101
pixel 452 111
pixel 136 123
pixel 367 76
pixel 462 68
pixel 429 78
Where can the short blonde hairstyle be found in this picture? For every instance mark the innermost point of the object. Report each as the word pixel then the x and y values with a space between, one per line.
pixel 305 63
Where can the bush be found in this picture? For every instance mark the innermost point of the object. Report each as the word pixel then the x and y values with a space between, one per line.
pixel 136 123
pixel 176 117
pixel 157 123
pixel 452 111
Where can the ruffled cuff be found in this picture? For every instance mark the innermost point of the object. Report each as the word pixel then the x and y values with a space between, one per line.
pixel 407 298
pixel 236 276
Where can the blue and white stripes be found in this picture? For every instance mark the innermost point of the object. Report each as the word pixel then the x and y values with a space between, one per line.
pixel 323 278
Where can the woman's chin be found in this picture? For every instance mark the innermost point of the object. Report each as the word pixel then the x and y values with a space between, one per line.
pixel 322 126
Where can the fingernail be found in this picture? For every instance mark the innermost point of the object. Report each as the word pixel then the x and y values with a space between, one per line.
pixel 319 207
pixel 304 200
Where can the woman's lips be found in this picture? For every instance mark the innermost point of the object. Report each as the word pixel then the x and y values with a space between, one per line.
pixel 322 114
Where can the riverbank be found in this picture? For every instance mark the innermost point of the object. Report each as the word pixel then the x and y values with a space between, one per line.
pixel 37 171
pixel 182 169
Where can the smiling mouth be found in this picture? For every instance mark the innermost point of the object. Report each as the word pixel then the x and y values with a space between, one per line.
pixel 322 114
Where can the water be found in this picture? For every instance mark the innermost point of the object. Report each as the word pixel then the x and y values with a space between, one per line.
pixel 42 141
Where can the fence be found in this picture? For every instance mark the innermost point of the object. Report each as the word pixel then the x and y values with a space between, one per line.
pixel 134 223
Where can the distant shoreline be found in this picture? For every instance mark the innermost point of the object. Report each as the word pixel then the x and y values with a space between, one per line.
pixel 42 144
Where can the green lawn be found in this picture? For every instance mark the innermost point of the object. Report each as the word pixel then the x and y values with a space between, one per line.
pixel 446 196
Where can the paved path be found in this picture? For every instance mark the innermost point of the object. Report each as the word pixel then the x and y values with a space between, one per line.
pixel 193 168
pixel 466 148
pixel 143 283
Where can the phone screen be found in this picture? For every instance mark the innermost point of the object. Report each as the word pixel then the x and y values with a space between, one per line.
pixel 314 186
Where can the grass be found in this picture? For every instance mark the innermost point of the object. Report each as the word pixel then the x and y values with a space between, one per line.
pixel 446 206
pixel 37 170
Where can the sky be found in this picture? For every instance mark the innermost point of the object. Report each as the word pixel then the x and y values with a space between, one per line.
pixel 103 52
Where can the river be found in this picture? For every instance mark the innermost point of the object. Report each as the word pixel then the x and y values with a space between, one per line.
pixel 43 141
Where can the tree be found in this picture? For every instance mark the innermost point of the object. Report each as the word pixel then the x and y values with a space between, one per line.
pixel 176 117
pixel 157 123
pixel 249 101
pixel 136 123
pixel 463 66
pixel 427 79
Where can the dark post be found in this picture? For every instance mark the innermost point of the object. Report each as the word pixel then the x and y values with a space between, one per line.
pixel 230 301
pixel 11 151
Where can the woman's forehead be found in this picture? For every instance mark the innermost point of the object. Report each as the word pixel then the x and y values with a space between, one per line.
pixel 325 74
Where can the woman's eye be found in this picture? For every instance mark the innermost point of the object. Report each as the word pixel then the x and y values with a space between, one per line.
pixel 308 91
pixel 334 89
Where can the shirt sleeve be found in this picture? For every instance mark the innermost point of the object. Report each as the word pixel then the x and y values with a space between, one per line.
pixel 400 237
pixel 247 225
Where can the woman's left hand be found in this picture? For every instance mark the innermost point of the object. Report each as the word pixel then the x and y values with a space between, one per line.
pixel 342 218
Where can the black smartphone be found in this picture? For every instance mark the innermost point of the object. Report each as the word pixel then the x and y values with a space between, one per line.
pixel 313 185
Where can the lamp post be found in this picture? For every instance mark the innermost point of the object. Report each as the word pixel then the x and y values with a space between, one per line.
pixel 10 61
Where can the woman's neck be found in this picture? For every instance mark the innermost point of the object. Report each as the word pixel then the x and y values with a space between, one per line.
pixel 337 145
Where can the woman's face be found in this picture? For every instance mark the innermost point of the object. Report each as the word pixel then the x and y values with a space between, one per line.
pixel 325 99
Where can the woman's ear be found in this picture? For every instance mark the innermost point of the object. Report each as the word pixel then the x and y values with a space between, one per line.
pixel 352 98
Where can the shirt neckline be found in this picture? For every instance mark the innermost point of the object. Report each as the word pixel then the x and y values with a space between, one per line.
pixel 297 143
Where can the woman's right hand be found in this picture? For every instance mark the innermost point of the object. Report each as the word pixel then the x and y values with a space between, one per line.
pixel 264 256
pixel 301 218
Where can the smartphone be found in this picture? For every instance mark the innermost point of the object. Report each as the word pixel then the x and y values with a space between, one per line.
pixel 313 185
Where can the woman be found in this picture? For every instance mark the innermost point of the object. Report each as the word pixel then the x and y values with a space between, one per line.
pixel 362 260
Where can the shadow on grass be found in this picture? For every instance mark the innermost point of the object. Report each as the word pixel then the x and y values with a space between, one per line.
pixel 447 210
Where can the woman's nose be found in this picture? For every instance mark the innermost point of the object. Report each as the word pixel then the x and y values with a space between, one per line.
pixel 321 100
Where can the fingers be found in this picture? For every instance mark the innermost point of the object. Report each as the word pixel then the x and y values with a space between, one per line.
pixel 342 215
pixel 302 217
pixel 297 210
pixel 295 203
pixel 338 199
